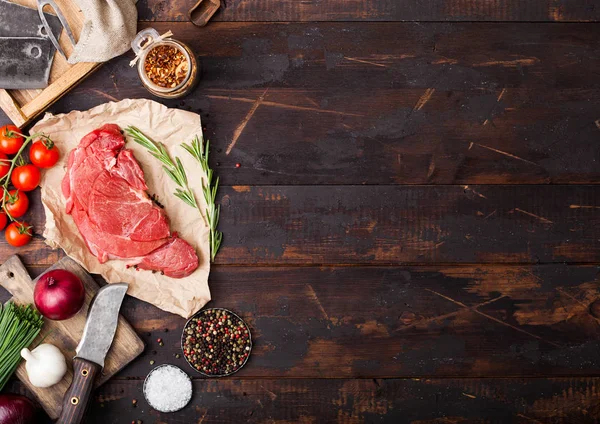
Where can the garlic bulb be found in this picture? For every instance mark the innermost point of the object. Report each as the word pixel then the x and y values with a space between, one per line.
pixel 45 365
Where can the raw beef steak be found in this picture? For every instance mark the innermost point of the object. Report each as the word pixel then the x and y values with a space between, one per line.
pixel 106 195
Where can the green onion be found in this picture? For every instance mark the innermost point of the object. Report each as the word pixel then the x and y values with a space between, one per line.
pixel 19 326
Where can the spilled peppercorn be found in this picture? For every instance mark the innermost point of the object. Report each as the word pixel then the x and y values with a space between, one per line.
pixel 216 342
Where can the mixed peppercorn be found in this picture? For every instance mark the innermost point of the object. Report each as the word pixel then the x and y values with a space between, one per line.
pixel 166 66
pixel 216 342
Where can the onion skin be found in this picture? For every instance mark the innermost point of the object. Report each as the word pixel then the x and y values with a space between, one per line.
pixel 17 409
pixel 58 294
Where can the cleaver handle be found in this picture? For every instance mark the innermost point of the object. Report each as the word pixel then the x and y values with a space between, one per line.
pixel 79 393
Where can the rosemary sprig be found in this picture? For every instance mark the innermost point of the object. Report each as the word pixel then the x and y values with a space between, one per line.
pixel 199 149
pixel 173 168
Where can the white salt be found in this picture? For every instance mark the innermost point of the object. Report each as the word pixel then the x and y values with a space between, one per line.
pixel 167 388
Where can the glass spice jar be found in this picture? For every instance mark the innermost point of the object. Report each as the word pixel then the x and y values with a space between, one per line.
pixel 167 68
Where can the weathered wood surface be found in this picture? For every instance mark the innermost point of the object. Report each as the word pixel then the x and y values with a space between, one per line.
pixel 314 225
pixel 390 401
pixel 345 272
pixel 408 321
pixel 476 321
pixel 380 10
pixel 431 104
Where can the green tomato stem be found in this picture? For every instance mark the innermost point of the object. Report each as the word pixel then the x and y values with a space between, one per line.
pixel 6 178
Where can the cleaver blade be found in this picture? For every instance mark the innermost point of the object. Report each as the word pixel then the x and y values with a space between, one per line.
pixel 25 62
pixel 21 21
pixel 26 51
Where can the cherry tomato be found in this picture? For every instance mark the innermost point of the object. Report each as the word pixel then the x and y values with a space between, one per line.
pixel 25 177
pixel 16 204
pixel 10 139
pixel 4 166
pixel 18 233
pixel 3 220
pixel 44 153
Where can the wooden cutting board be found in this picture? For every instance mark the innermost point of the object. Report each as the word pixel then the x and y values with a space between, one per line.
pixel 66 334
pixel 21 106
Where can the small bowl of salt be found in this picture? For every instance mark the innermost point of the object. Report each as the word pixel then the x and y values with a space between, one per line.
pixel 167 388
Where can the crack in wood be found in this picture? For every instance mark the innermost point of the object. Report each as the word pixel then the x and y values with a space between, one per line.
pixel 541 218
pixel 354 59
pixel 477 311
pixel 510 155
pixel 283 105
pixel 424 99
pixel 314 296
pixel 240 128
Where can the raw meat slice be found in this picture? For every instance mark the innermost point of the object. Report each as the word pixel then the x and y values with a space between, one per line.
pixel 176 258
pixel 106 196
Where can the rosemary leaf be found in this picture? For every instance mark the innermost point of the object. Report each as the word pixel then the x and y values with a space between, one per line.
pixel 181 171
pixel 165 160
pixel 172 175
pixel 190 150
pixel 185 197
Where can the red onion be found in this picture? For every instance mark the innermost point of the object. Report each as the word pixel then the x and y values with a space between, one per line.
pixel 58 294
pixel 16 409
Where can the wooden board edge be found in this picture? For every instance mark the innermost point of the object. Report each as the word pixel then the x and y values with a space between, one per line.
pixel 11 108
pixel 12 262
pixel 55 91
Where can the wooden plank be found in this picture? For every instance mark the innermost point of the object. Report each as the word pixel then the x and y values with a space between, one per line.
pixel 392 225
pixel 66 334
pixel 381 10
pixel 416 401
pixel 395 224
pixel 417 321
pixel 11 109
pixel 432 104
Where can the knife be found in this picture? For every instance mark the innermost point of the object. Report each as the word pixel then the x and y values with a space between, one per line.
pixel 21 21
pixel 25 62
pixel 48 28
pixel 98 334
pixel 26 50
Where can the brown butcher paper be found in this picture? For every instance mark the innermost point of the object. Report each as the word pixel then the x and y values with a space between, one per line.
pixel 171 127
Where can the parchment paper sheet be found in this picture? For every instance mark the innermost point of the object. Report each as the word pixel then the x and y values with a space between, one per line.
pixel 170 126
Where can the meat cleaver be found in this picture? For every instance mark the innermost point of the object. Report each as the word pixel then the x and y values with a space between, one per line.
pixel 26 52
pixel 98 335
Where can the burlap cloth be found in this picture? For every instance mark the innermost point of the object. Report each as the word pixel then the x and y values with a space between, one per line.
pixel 183 296
pixel 109 28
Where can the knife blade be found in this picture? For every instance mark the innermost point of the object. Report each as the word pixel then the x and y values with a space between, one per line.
pixel 101 323
pixel 98 334
pixel 21 21
pixel 25 62
pixel 26 51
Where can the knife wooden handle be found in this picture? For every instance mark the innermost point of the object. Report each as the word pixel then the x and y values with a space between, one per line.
pixel 79 393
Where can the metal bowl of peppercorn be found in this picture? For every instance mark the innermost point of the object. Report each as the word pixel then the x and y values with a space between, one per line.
pixel 216 342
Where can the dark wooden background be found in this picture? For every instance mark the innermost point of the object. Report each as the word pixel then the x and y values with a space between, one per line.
pixel 414 232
